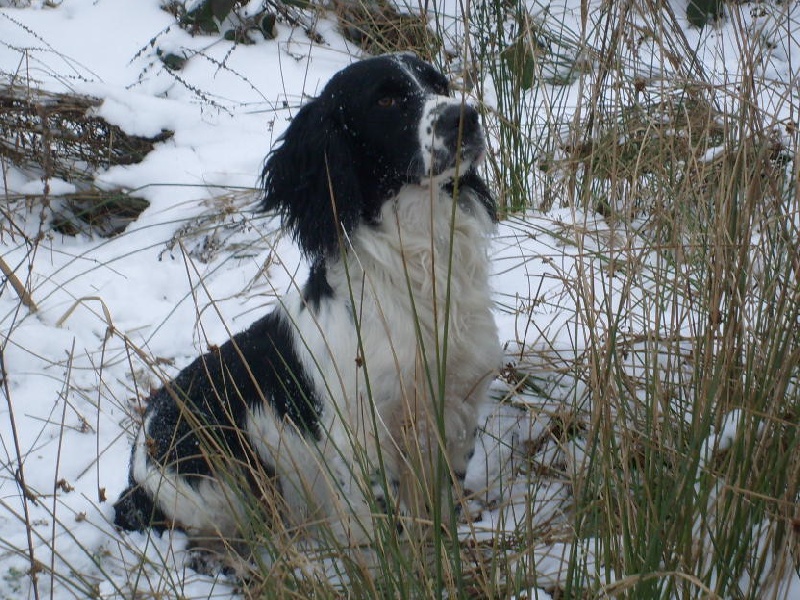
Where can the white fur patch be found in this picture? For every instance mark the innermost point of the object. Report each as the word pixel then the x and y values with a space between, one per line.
pixel 207 508
pixel 379 368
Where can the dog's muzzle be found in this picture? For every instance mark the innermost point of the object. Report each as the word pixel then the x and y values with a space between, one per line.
pixel 451 137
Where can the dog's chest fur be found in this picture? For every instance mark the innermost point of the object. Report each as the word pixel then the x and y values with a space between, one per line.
pixel 417 314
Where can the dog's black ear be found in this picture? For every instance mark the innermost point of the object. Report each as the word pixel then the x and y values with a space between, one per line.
pixel 310 180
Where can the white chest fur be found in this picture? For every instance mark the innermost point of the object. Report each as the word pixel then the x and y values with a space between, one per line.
pixel 402 351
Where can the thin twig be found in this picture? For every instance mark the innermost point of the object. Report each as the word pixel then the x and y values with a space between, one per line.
pixel 23 294
pixel 27 495
pixel 56 480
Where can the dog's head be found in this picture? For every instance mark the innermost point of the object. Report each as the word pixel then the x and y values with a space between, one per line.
pixel 378 125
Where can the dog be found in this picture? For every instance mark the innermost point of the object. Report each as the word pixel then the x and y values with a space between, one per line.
pixel 362 387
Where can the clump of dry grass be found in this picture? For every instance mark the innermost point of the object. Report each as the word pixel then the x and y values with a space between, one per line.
pixel 62 136
pixel 662 163
pixel 378 27
pixel 633 141
pixel 95 212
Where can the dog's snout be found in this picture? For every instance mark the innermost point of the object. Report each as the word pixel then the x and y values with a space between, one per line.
pixel 451 137
pixel 455 118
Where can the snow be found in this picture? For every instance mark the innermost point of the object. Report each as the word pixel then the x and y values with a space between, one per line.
pixel 109 309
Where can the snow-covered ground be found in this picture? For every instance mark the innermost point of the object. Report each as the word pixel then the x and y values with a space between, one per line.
pixel 185 275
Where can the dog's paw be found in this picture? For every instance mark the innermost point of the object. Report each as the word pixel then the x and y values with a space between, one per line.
pixel 469 510
pixel 222 561
pixel 385 493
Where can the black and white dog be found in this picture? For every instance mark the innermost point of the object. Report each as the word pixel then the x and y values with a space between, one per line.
pixel 346 396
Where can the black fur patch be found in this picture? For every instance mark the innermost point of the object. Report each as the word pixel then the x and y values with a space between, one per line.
pixel 135 511
pixel 472 181
pixel 317 288
pixel 196 422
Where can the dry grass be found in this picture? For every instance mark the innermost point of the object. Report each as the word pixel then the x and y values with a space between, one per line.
pixel 378 27
pixel 61 136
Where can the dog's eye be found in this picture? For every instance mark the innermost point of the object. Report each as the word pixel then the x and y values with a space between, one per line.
pixel 442 88
pixel 387 101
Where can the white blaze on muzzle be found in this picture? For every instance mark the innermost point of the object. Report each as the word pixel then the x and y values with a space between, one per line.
pixel 449 136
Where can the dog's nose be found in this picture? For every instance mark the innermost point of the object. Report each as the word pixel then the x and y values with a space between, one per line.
pixel 457 117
